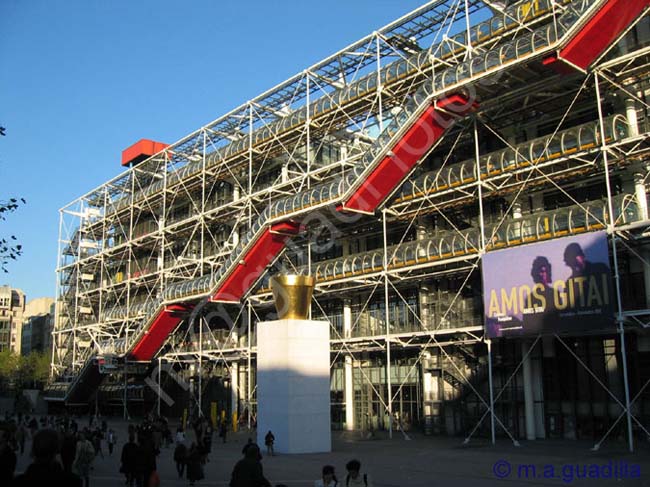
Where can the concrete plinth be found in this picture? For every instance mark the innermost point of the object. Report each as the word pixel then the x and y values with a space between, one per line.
pixel 293 385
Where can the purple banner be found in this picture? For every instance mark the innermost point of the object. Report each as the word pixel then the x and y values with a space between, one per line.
pixel 558 286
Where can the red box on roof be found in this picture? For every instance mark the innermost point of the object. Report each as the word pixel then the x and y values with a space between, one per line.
pixel 141 150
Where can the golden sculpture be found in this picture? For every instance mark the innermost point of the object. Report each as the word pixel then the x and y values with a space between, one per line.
pixel 292 295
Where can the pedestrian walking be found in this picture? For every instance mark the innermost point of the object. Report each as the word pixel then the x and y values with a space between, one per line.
pixel 248 444
pixel 7 459
pixel 223 430
pixel 147 458
pixel 180 435
pixel 269 440
pixel 33 427
pixel 21 433
pixel 328 478
pixel 207 443
pixel 85 455
pixel 157 436
pixel 194 464
pixel 45 469
pixel 180 457
pixel 248 471
pixel 68 451
pixel 129 459
pixel 167 435
pixel 97 442
pixel 110 439
pixel 354 477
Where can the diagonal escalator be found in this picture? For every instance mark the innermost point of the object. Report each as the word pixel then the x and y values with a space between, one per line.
pixel 581 34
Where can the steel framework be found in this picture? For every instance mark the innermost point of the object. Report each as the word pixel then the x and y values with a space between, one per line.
pixel 171 259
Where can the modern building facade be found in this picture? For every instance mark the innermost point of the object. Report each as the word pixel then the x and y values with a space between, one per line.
pixel 390 171
pixel 12 309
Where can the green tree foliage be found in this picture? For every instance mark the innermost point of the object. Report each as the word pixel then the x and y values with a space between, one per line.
pixel 41 369
pixel 24 371
pixel 8 365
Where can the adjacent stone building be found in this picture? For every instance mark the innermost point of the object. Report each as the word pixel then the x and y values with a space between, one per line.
pixel 37 325
pixel 12 310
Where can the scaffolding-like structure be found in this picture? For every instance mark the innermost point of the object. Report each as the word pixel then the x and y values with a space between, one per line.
pixel 387 170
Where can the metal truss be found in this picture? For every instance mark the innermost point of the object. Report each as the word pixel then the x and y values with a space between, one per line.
pixel 175 218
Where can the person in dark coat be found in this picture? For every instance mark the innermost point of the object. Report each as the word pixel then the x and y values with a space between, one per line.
pixel 207 441
pixel 180 457
pixel 223 430
pixel 96 440
pixel 21 433
pixel 7 459
pixel 269 439
pixel 248 444
pixel 248 472
pixel 45 470
pixel 130 457
pixel 33 426
pixel 194 464
pixel 147 460
pixel 68 451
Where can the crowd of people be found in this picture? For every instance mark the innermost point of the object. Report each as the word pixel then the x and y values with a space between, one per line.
pixel 193 448
pixel 60 449
pixel 63 453
pixel 138 460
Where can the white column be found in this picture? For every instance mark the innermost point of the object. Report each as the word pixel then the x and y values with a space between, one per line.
pixel 529 401
pixel 538 391
pixel 349 383
pixel 235 230
pixel 160 260
pixel 488 342
pixel 159 383
pixel 642 201
pixel 630 113
pixel 612 367
pixel 421 229
pixel 293 385
pixel 641 197
pixel 234 389
pixel 344 152
pixel 285 173
pixel 349 394
pixel 347 318
pixel 424 291
pixel 427 393
pixel 234 336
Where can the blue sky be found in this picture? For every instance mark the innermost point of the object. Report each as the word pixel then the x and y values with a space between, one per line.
pixel 80 80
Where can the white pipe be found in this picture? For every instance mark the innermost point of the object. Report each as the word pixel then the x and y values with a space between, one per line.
pixel 529 403
pixel 632 120
pixel 349 383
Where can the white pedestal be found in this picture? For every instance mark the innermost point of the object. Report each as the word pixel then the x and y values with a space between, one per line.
pixel 293 385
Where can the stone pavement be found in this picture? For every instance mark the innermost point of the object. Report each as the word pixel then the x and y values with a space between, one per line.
pixel 420 462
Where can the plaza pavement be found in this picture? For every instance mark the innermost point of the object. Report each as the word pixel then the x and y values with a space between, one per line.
pixel 419 462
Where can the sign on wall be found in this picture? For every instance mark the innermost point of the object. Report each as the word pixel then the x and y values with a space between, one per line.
pixel 559 286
